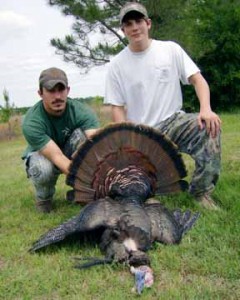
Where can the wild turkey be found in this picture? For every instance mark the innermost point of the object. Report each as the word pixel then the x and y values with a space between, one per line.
pixel 114 173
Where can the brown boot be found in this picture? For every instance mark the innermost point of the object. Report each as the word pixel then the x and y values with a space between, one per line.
pixel 207 202
pixel 44 206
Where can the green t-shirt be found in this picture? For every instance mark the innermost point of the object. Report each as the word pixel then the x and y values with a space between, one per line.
pixel 39 127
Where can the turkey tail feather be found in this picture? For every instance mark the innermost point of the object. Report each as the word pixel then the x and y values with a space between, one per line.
pixel 116 147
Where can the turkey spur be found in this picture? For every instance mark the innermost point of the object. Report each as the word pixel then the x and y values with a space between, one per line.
pixel 113 175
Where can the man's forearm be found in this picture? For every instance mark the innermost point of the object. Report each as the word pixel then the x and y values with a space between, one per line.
pixel 202 91
pixel 118 114
pixel 63 163
pixel 53 153
pixel 90 132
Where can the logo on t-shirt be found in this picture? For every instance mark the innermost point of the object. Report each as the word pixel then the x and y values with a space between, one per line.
pixel 163 74
pixel 66 132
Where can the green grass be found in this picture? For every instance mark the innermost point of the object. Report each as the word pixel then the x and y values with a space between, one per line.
pixel 204 266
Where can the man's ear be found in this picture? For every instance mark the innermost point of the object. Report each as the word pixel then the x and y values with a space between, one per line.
pixel 68 90
pixel 149 23
pixel 40 93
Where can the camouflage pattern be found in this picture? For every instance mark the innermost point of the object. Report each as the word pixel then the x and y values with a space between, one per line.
pixel 182 128
pixel 43 173
pixel 76 138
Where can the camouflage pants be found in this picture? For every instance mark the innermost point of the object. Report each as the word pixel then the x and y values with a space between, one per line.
pixel 43 173
pixel 183 130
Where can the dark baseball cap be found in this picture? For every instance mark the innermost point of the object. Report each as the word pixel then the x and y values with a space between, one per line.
pixel 132 7
pixel 52 76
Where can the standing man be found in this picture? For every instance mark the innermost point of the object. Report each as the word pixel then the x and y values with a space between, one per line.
pixel 53 129
pixel 143 86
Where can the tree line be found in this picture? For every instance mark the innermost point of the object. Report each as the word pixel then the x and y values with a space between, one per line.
pixel 209 30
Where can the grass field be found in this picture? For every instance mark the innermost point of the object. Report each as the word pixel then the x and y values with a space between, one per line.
pixel 204 266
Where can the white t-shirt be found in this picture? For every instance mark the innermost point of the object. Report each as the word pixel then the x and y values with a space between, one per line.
pixel 147 83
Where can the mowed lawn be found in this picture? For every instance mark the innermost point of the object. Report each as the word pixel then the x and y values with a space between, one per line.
pixel 204 266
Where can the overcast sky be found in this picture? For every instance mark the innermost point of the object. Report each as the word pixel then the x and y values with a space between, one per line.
pixel 26 27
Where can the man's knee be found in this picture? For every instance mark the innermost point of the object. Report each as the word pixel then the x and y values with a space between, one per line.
pixel 40 169
pixel 76 138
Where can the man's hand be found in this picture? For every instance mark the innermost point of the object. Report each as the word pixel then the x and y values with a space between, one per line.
pixel 89 133
pixel 206 118
pixel 211 121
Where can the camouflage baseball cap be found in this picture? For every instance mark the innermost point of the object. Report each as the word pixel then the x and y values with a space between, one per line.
pixel 132 7
pixel 52 76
